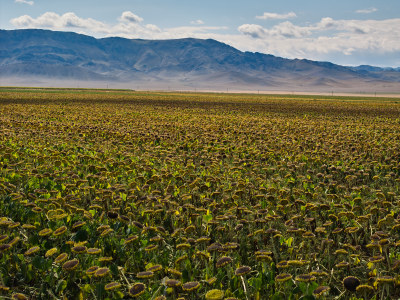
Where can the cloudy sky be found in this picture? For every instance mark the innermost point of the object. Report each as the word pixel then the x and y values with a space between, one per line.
pixel 348 32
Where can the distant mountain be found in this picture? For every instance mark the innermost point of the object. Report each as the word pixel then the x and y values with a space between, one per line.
pixel 374 69
pixel 43 55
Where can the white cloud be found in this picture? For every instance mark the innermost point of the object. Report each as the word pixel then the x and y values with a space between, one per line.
pixel 129 25
pixel 275 16
pixel 282 30
pixel 51 20
pixel 24 2
pixel 197 22
pixel 329 36
pixel 253 30
pixel 367 11
pixel 130 17
pixel 288 30
pixel 153 28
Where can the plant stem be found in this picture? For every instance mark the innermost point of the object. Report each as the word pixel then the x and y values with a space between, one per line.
pixel 244 287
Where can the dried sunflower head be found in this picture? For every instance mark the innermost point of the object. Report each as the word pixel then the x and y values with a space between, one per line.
pixel 376 259
pixel 93 251
pixel 190 286
pixel 175 272
pixel 320 291
pixel 79 249
pixel 50 252
pixel 351 283
pixel 32 250
pixel 19 296
pixel 215 295
pixel 364 289
pixel 342 264
pixel 45 232
pixel 130 239
pixel 3 238
pixel 282 264
pixel 112 286
pixel 59 231
pixel 5 247
pixel 283 277
pixel 242 271
pixel 137 289
pixel 105 259
pixel 70 265
pixel 385 279
pixel 172 283
pixel 223 261
pixel 62 257
pixel 101 272
pixel 212 280
pixel 145 274
pixel 78 224
pixel 4 288
pixel 151 248
pixel 92 270
pixel 155 268
pixel 305 278
pixel 319 273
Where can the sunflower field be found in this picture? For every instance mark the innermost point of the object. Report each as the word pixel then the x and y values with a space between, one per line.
pixel 148 195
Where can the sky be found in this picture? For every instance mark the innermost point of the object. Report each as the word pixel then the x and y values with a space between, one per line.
pixel 346 32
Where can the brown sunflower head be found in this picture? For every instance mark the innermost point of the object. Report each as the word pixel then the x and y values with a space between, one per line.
pixel 364 289
pixel 145 274
pixel 70 265
pixel 137 289
pixel 92 270
pixel 223 261
pixel 79 249
pixel 283 277
pixel 190 286
pixel 242 271
pixel 155 268
pixel 305 278
pixel 19 296
pixel 321 290
pixel 351 283
pixel 112 286
pixel 101 272
pixel 112 214
pixel 172 283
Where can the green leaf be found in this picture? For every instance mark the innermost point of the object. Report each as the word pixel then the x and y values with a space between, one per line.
pixel 313 285
pixel 257 283
pixel 303 287
pixel 207 218
pixel 61 286
pixel 277 296
pixel 39 263
pixel 80 236
pixel 100 290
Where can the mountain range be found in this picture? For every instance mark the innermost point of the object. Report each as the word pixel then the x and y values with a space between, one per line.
pixel 44 57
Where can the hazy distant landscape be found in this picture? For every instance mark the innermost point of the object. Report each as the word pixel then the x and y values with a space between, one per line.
pixel 66 59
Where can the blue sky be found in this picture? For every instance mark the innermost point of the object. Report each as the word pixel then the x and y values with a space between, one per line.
pixel 349 32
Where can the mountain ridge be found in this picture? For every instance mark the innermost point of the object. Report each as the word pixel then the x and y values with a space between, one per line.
pixel 188 62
